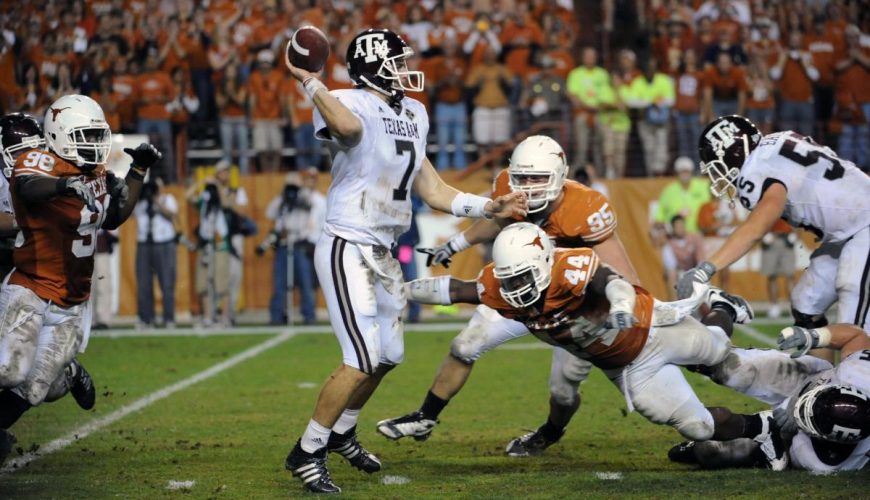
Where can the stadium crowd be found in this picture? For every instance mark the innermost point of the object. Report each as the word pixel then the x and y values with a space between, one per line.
pixel 210 74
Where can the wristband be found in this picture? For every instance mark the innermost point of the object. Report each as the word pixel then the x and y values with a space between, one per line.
pixel 469 205
pixel 135 174
pixel 824 336
pixel 429 290
pixel 312 85
pixel 458 243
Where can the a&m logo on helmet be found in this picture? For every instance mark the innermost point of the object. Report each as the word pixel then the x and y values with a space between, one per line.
pixel 722 135
pixel 372 46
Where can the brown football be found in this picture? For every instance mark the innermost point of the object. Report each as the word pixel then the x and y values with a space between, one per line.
pixel 308 49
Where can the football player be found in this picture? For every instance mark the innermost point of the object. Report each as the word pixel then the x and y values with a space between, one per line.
pixel 377 138
pixel 567 298
pixel 574 216
pixel 60 197
pixel 785 175
pixel 824 411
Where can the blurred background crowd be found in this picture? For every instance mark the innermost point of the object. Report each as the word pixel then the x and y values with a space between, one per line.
pixel 624 85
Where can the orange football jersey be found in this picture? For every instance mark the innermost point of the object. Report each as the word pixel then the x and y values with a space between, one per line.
pixel 582 218
pixel 54 253
pixel 570 315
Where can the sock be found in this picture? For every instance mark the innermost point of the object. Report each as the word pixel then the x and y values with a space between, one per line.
pixel 752 425
pixel 551 432
pixel 432 406
pixel 12 406
pixel 315 437
pixel 726 308
pixel 346 421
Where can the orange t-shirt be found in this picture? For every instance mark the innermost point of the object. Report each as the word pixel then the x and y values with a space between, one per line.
pixel 517 59
pixel 157 87
pixel 462 21
pixel 570 311
pixel 759 95
pixel 725 85
pixel 438 69
pixel 303 107
pixel 795 85
pixel 825 51
pixel 265 90
pixel 564 62
pixel 689 92
pixel 854 80
pixel 56 260
pixel 108 101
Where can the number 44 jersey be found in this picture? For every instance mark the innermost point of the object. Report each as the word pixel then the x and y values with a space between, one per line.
pixel 54 251
pixel 826 194
pixel 369 200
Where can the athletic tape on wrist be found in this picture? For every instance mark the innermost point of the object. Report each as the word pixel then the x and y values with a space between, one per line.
pixel 312 85
pixel 469 205
pixel 458 243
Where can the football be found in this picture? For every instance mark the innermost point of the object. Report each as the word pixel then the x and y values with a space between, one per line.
pixel 308 49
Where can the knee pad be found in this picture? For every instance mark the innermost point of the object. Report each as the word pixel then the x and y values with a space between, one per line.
pixel 11 376
pixel 809 320
pixel 467 347
pixel 694 426
pixel 564 392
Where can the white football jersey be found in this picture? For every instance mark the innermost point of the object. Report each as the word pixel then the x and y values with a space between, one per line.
pixel 826 194
pixel 369 200
pixel 5 197
pixel 853 371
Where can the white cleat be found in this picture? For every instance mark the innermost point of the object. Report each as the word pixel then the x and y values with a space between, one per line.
pixel 742 309
pixel 411 425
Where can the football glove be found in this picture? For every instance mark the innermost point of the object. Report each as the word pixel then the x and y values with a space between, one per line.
pixel 117 188
pixel 443 254
pixel 75 186
pixel 620 320
pixel 799 338
pixel 701 274
pixel 144 156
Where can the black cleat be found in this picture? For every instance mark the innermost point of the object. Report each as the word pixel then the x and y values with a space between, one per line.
pixel 683 453
pixel 7 441
pixel 531 444
pixel 347 446
pixel 311 469
pixel 771 443
pixel 81 385
pixel 414 424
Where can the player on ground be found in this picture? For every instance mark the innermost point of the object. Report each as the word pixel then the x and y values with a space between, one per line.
pixel 566 298
pixel 824 411
pixel 377 137
pixel 60 197
pixel 785 175
pixel 574 216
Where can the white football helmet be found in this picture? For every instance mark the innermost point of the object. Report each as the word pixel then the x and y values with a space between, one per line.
pixel 523 257
pixel 76 130
pixel 538 168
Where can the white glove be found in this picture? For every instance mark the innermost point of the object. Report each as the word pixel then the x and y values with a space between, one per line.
pixel 442 254
pixel 701 274
pixel 802 339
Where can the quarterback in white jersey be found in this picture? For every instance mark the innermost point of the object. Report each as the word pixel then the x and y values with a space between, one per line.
pixel 788 176
pixel 377 137
pixel 823 411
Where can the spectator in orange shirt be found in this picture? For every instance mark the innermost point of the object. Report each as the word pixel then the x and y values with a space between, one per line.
pixel 124 86
pixel 264 91
pixel 825 49
pixel 231 98
pixel 301 111
pixel 759 100
pixel 153 91
pixel 483 37
pixel 417 28
pixel 682 251
pixel 491 118
pixel 795 71
pixel 687 108
pixel 441 30
pixel 461 18
pixel 562 58
pixel 853 99
pixel 451 115
pixel 725 45
pixel 183 105
pixel 519 39
pixel 198 63
pixel 725 89
pixel 109 101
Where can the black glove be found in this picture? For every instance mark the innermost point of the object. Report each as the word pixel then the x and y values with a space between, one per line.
pixel 117 187
pixel 75 186
pixel 144 156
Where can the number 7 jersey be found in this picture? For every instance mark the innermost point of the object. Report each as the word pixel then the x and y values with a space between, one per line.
pixel 54 250
pixel 826 194
pixel 369 200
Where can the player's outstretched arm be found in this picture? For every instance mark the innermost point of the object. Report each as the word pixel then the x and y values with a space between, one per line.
pixel 441 196
pixel 612 252
pixel 481 231
pixel 343 125
pixel 121 207
pixel 442 290
pixel 843 337
pixel 740 242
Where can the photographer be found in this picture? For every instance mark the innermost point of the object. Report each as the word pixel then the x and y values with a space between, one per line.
pixel 297 215
pixel 155 253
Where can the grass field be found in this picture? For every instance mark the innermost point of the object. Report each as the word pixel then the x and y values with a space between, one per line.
pixel 226 432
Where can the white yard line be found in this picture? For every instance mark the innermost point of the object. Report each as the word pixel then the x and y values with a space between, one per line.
pixel 756 335
pixel 259 330
pixel 106 420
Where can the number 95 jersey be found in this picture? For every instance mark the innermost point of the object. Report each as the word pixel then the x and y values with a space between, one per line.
pixel 54 251
pixel 826 194
pixel 369 200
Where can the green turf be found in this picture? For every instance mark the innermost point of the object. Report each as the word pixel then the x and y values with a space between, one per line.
pixel 231 433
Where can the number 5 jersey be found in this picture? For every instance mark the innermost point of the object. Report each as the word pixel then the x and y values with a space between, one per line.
pixel 54 250
pixel 826 194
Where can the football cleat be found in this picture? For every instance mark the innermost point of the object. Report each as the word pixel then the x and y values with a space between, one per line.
pixel 311 469
pixel 531 444
pixel 770 443
pixel 7 441
pixel 742 310
pixel 414 425
pixel 347 446
pixel 81 385
pixel 683 453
